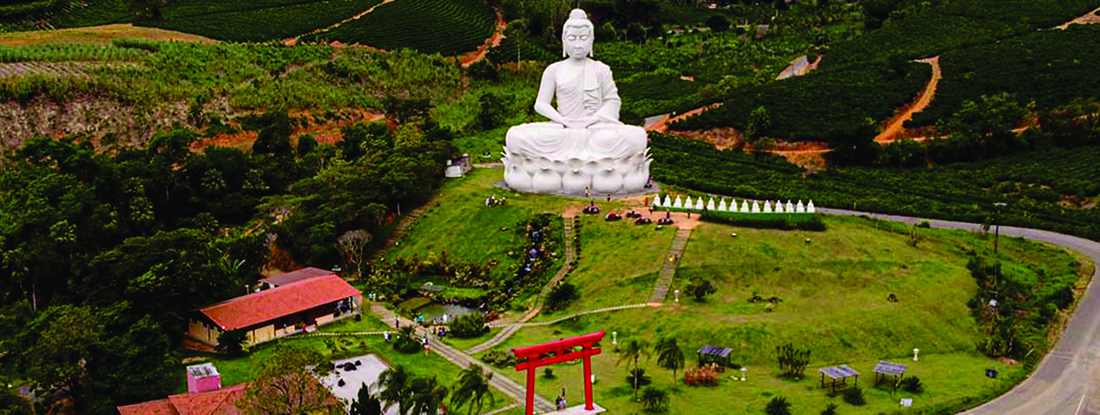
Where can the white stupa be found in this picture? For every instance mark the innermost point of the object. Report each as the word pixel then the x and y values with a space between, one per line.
pixel 790 206
pixel 710 205
pixel 810 208
pixel 699 204
pixel 744 206
pixel 767 206
pixel 657 201
pixel 755 207
pixel 800 208
pixel 680 203
pixel 688 204
pixel 667 202
pixel 722 205
pixel 778 207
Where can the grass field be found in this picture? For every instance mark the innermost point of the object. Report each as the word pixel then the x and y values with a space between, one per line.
pixel 96 35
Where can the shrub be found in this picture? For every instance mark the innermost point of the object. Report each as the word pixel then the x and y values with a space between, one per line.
pixel 912 385
pixel 232 342
pixel 639 375
pixel 792 361
pixel 468 326
pixel 778 406
pixel 700 289
pixel 703 375
pixel 654 399
pixel 830 409
pixel 854 396
pixel 560 296
pixel 548 373
pixel 499 359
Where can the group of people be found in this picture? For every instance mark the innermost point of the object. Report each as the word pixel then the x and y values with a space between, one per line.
pixel 493 201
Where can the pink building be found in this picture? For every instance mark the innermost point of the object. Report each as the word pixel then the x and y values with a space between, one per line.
pixel 202 378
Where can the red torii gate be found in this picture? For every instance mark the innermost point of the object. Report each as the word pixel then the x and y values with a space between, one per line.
pixel 559 352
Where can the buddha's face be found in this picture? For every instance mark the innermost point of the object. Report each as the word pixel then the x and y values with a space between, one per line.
pixel 577 41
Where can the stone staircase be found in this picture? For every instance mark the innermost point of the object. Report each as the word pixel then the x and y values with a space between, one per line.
pixel 399 231
pixel 668 271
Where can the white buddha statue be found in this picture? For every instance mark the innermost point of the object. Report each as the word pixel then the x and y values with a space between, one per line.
pixel 584 146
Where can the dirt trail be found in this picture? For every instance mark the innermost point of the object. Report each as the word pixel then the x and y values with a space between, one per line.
pixel 294 40
pixel 662 126
pixel 895 126
pixel 492 42
pixel 1089 18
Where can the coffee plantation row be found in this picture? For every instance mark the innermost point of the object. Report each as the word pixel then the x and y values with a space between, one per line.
pixel 447 27
pixel 1050 67
pixel 820 105
pixel 958 192
pixel 256 21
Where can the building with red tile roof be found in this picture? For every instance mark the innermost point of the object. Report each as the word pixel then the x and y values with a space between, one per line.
pixel 277 312
pixel 216 402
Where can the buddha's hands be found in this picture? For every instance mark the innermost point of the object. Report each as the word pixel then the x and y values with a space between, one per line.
pixel 580 123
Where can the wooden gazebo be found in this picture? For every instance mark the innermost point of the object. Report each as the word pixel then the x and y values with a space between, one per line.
pixel 884 369
pixel 839 373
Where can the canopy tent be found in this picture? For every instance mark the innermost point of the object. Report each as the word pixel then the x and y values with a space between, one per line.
pixel 720 355
pixel 883 369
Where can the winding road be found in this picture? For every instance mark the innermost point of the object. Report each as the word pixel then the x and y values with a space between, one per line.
pixel 1065 381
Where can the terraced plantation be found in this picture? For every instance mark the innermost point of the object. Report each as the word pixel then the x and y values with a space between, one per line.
pixel 256 21
pixel 447 27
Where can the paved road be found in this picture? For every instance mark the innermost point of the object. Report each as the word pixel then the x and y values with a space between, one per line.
pixel 1066 380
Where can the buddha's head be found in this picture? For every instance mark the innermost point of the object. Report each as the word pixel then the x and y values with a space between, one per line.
pixel 577 35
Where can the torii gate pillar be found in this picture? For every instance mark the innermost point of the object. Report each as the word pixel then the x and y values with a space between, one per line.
pixel 559 352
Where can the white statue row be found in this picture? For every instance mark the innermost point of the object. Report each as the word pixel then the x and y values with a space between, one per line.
pixel 732 207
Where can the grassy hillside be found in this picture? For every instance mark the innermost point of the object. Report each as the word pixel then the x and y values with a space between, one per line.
pixel 447 27
pixel 255 21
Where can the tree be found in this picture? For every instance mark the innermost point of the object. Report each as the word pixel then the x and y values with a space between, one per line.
pixel 13 404
pixel 635 33
pixel 287 383
pixel 366 404
pixel 394 383
pixel 759 123
pixel 232 342
pixel 353 244
pixel 492 111
pixel 560 296
pixel 274 139
pixel 63 341
pixel 426 395
pixel 699 289
pixel 718 23
pixel 655 399
pixel 631 352
pixel 306 144
pixel 669 355
pixel 472 388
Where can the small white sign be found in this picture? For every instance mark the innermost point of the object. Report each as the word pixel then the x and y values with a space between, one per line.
pixel 907 402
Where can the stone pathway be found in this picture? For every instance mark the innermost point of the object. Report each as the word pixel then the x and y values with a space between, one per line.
pixel 400 230
pixel 499 381
pixel 509 330
pixel 669 269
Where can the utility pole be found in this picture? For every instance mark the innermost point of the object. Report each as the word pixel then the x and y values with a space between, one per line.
pixel 997 233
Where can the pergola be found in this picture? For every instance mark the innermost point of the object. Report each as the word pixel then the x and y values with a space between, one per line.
pixel 719 355
pixel 883 369
pixel 841 373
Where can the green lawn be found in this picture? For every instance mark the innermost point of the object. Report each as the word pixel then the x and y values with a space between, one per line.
pixel 463 344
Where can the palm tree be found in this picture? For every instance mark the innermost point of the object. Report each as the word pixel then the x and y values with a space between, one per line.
pixel 395 383
pixel 472 387
pixel 426 395
pixel 366 404
pixel 631 352
pixel 669 355
pixel 654 399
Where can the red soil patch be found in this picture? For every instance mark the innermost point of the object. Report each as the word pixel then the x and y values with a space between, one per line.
pixel 662 126
pixel 326 133
pixel 894 128
pixel 492 42
pixel 1089 18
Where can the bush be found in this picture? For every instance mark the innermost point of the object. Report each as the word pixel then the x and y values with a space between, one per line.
pixel 699 289
pixel 560 296
pixel 778 406
pixel 792 361
pixel 703 375
pixel 499 359
pixel 912 385
pixel 654 400
pixel 854 396
pixel 639 375
pixel 232 342
pixel 468 326
pixel 830 409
